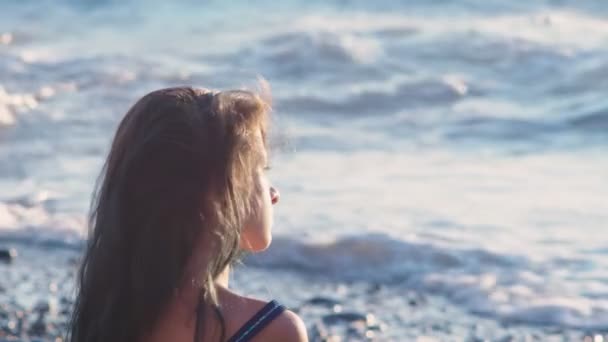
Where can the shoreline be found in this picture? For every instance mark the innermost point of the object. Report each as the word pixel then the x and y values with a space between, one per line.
pixel 37 290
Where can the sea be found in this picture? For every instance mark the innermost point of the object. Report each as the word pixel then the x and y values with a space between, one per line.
pixel 458 149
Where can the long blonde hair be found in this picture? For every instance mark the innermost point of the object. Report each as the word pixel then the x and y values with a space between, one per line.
pixel 182 163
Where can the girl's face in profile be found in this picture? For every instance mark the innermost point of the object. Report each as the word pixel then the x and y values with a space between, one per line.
pixel 256 235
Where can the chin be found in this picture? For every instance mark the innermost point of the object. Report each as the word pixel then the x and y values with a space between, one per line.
pixel 259 245
pixel 263 245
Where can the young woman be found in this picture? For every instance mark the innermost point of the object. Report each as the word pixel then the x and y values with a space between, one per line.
pixel 182 194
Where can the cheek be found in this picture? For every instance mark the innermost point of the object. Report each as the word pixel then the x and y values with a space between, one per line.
pixel 256 235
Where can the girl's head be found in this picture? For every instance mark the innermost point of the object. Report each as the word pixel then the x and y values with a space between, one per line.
pixel 184 178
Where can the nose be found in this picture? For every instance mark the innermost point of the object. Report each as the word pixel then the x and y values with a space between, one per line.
pixel 274 195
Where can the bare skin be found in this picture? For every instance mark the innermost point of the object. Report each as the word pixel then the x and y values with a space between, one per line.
pixel 178 323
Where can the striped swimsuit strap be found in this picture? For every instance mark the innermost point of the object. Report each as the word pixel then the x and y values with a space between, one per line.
pixel 258 322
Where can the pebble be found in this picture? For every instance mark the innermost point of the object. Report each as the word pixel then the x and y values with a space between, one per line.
pixel 20 320
pixel 42 307
pixel 352 331
pixel 415 299
pixel 39 327
pixel 344 317
pixel 8 254
pixel 323 301
pixel 73 262
pixel 11 326
pixel 357 326
pixel 65 301
pixel 319 331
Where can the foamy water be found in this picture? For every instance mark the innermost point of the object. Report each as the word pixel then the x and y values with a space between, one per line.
pixel 457 149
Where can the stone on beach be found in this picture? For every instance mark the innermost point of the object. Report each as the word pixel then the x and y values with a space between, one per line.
pixel 8 254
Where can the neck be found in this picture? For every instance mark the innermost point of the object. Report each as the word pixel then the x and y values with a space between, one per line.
pixel 199 260
pixel 182 309
pixel 188 294
pixel 189 290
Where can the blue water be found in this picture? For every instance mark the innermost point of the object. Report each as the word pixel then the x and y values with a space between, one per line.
pixel 455 147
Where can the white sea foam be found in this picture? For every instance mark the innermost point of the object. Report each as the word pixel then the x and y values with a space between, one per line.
pixel 7 117
pixel 27 219
pixel 11 104
pixel 501 286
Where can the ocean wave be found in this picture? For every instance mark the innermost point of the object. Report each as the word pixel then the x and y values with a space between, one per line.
pixel 595 121
pixel 426 92
pixel 31 220
pixel 374 258
pixel 13 103
pixel 302 55
pixel 499 129
pixel 508 287
pixel 511 288
pixel 297 47
pixel 549 27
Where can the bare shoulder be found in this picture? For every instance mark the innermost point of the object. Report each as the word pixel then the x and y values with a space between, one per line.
pixel 287 327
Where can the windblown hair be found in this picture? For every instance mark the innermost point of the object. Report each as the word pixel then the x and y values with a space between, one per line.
pixel 182 163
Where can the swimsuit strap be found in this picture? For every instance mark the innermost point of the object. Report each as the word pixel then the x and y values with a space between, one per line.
pixel 258 322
